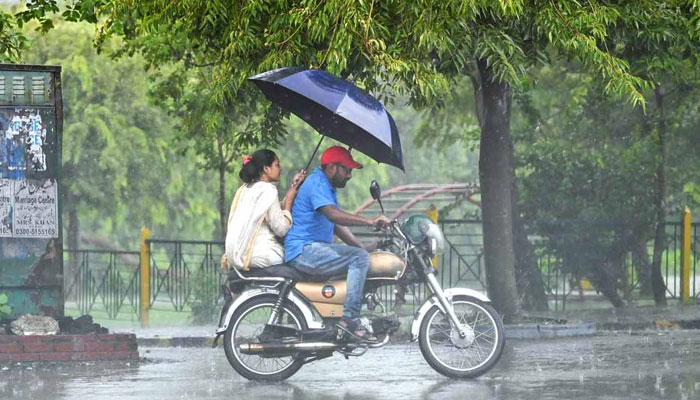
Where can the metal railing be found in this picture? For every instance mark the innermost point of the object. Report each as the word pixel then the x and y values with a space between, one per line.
pixel 186 273
pixel 102 279
pixel 561 283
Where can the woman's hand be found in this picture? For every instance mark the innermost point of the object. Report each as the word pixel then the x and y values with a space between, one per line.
pixel 298 180
pixel 293 189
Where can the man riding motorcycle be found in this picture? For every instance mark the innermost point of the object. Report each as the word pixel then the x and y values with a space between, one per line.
pixel 317 218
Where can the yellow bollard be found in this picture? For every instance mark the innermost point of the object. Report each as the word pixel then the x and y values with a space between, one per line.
pixel 434 215
pixel 145 298
pixel 685 255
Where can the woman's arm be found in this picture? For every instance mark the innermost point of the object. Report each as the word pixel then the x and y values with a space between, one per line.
pixel 293 190
pixel 279 220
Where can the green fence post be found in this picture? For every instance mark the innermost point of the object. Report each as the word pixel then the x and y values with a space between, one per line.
pixel 685 255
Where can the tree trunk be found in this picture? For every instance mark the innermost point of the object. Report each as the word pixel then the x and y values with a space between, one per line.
pixel 640 259
pixel 606 281
pixel 73 241
pixel 657 281
pixel 222 185
pixel 529 277
pixel 496 179
pixel 529 282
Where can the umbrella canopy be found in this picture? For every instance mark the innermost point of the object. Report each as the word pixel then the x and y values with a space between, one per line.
pixel 336 108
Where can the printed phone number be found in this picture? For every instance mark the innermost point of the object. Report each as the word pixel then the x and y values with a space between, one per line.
pixel 35 232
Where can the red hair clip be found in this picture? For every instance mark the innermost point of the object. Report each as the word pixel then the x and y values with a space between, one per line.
pixel 247 159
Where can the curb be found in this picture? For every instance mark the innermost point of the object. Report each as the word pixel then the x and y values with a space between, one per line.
pixel 188 341
pixel 549 331
pixel 512 332
pixel 659 324
pixel 519 331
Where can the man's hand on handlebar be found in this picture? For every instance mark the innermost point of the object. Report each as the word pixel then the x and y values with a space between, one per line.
pixel 381 222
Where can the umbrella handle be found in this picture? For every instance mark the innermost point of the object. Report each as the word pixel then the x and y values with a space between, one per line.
pixel 314 153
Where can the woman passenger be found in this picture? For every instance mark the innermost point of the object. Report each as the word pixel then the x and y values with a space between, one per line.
pixel 256 222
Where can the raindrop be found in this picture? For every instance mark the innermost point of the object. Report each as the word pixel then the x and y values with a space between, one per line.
pixel 684 395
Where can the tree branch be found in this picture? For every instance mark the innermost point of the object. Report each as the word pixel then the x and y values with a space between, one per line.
pixel 300 25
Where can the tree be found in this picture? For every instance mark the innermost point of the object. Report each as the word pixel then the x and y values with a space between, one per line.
pixel 582 166
pixel 218 130
pixel 666 56
pixel 410 48
pixel 119 172
pixel 586 170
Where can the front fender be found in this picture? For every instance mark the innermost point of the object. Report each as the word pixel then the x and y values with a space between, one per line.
pixel 433 301
pixel 250 294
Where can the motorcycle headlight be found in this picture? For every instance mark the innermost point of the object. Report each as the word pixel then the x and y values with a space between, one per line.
pixel 436 238
pixel 419 228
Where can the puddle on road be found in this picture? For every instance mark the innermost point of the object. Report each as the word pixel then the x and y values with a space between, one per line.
pixel 611 366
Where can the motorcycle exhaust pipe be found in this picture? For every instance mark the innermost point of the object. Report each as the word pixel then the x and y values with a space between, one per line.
pixel 266 348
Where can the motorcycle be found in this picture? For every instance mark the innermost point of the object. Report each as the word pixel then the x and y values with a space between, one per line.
pixel 280 319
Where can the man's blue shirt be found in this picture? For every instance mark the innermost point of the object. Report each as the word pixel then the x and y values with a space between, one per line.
pixel 309 224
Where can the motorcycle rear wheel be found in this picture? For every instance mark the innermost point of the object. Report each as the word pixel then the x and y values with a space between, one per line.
pixel 450 355
pixel 245 325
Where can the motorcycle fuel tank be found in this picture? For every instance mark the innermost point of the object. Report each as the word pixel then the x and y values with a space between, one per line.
pixel 385 265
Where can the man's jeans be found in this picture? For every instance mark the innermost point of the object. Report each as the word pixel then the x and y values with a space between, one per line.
pixel 319 258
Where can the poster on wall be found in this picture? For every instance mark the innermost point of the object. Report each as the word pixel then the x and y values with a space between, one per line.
pixel 26 143
pixel 35 209
pixel 5 208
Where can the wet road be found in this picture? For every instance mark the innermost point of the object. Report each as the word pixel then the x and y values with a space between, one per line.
pixel 614 366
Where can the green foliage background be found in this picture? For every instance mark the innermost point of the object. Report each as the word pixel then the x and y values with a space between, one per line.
pixel 126 164
pixel 140 147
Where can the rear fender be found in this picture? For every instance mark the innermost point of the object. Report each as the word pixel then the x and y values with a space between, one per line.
pixel 306 311
pixel 433 302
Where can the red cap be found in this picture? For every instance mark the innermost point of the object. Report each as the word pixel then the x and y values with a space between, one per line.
pixel 337 154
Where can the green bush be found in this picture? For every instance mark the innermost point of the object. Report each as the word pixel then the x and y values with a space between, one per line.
pixel 205 293
pixel 5 309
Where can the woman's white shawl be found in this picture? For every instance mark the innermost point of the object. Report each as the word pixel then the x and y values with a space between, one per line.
pixel 256 224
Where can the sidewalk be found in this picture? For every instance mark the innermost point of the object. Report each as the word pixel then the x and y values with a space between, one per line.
pixel 545 325
pixel 634 318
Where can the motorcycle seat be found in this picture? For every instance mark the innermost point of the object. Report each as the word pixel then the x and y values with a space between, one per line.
pixel 288 272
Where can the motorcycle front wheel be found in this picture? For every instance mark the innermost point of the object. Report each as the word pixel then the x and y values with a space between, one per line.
pixel 246 324
pixel 456 357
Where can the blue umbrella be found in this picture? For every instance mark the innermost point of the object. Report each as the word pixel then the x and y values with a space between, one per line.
pixel 336 108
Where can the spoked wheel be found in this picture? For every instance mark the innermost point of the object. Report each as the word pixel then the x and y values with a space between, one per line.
pixel 246 324
pixel 457 357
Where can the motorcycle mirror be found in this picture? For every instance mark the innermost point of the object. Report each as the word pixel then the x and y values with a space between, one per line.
pixel 375 190
pixel 376 193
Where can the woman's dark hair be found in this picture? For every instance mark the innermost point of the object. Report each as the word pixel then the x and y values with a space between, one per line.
pixel 253 169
